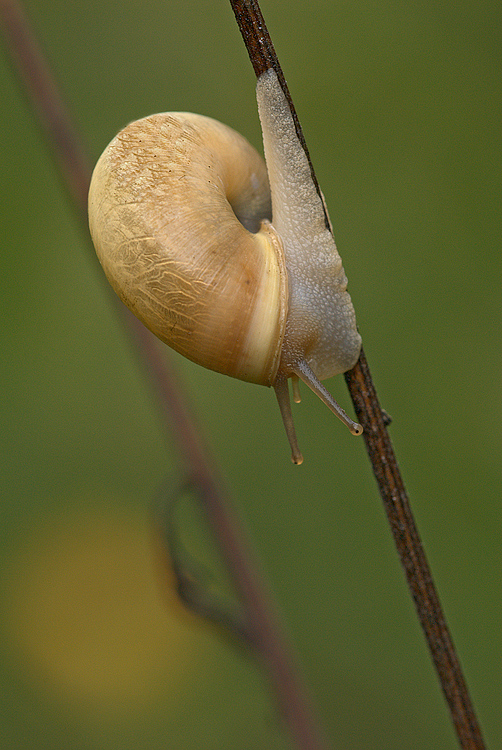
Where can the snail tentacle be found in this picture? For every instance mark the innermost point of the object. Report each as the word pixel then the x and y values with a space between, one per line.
pixel 281 389
pixel 305 374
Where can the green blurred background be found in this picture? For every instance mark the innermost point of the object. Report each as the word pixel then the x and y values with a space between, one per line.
pixel 401 106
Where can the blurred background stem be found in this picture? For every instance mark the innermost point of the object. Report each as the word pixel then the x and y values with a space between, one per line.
pixel 267 636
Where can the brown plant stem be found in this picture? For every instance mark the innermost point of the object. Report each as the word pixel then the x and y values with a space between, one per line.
pixel 412 555
pixel 381 454
pixel 267 636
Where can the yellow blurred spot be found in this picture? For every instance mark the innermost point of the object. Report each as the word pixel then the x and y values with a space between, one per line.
pixel 93 615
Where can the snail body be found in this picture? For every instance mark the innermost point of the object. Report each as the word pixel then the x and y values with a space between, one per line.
pixel 239 277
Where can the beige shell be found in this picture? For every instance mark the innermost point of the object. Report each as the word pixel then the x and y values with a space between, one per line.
pixel 180 210
pixel 163 204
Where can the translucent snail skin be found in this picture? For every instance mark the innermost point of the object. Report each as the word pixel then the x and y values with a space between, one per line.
pixel 227 260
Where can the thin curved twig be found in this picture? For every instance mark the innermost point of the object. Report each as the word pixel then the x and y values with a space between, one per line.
pixel 382 457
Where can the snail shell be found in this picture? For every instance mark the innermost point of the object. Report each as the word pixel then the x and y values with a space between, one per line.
pixel 239 277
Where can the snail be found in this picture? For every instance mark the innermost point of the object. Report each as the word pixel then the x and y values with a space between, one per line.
pixel 239 277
